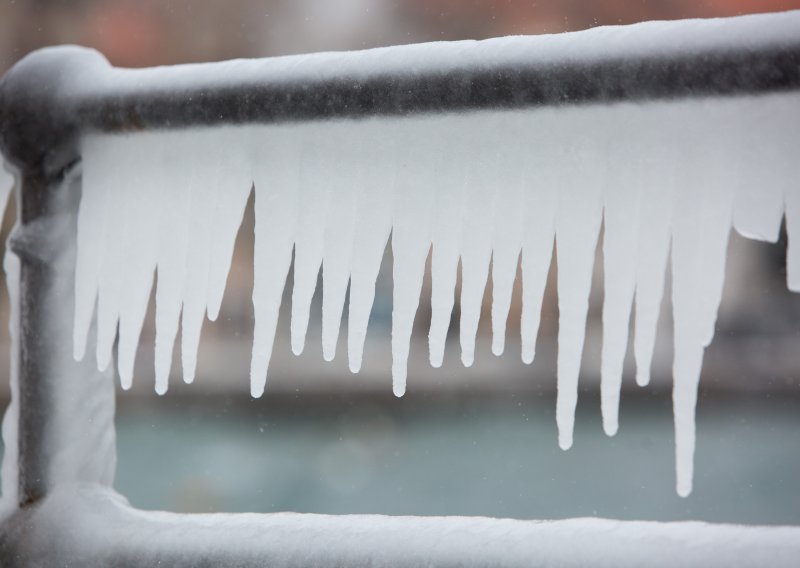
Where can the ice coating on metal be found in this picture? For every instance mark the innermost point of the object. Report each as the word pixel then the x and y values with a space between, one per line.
pixel 487 189
pixel 9 425
pixel 641 61
pixel 120 535
pixel 6 184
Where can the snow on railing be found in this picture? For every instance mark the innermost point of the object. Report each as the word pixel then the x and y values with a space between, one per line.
pixel 483 153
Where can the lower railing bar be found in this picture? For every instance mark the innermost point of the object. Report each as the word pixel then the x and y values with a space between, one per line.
pixel 89 526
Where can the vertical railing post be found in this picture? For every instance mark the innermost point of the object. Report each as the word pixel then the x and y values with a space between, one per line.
pixel 65 411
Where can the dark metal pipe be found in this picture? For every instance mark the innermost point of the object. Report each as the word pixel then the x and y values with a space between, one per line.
pixel 55 93
pixel 765 69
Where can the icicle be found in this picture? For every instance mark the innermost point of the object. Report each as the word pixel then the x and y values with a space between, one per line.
pixel 785 139
pixel 344 183
pixel 476 235
pixel 701 225
pixel 234 186
pixel 577 227
pixel 653 236
pixel 621 226
pixel 413 210
pixel 373 226
pixel 140 248
pixel 202 204
pixel 92 218
pixel 315 170
pixel 276 176
pixel 540 205
pixel 114 170
pixel 511 169
pixel 220 183
pixel 446 237
pixel 173 231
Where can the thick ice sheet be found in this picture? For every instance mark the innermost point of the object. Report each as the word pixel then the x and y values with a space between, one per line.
pixel 489 191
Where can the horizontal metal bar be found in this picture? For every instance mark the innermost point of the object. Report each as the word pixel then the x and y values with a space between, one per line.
pixel 743 71
pixel 95 527
pixel 75 89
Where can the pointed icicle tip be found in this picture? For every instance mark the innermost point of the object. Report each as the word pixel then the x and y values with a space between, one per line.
pixel 610 428
pixel 79 351
pixel 398 383
pixel 564 441
pixel 498 346
pixel 103 363
pixel 436 357
pixel 528 356
pixel 161 390
pixel 256 391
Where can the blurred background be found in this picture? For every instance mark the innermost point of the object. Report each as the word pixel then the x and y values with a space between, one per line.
pixel 477 441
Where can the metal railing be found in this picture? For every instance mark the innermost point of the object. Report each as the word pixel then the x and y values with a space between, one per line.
pixel 50 97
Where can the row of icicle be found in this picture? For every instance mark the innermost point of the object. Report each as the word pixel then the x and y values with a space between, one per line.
pixel 485 188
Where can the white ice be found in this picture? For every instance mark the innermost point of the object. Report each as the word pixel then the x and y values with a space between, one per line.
pixel 85 513
pixel 6 185
pixel 480 192
pixel 9 473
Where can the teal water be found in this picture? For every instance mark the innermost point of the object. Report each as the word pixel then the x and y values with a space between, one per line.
pixel 494 456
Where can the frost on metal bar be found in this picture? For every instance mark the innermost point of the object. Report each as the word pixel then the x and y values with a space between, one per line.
pixel 488 189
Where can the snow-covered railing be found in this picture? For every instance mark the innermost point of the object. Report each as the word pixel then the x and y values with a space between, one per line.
pixel 482 151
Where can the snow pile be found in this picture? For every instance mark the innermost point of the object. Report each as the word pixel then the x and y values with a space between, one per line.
pixel 482 189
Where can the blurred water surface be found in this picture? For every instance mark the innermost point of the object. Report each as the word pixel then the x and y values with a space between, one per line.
pixel 458 455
